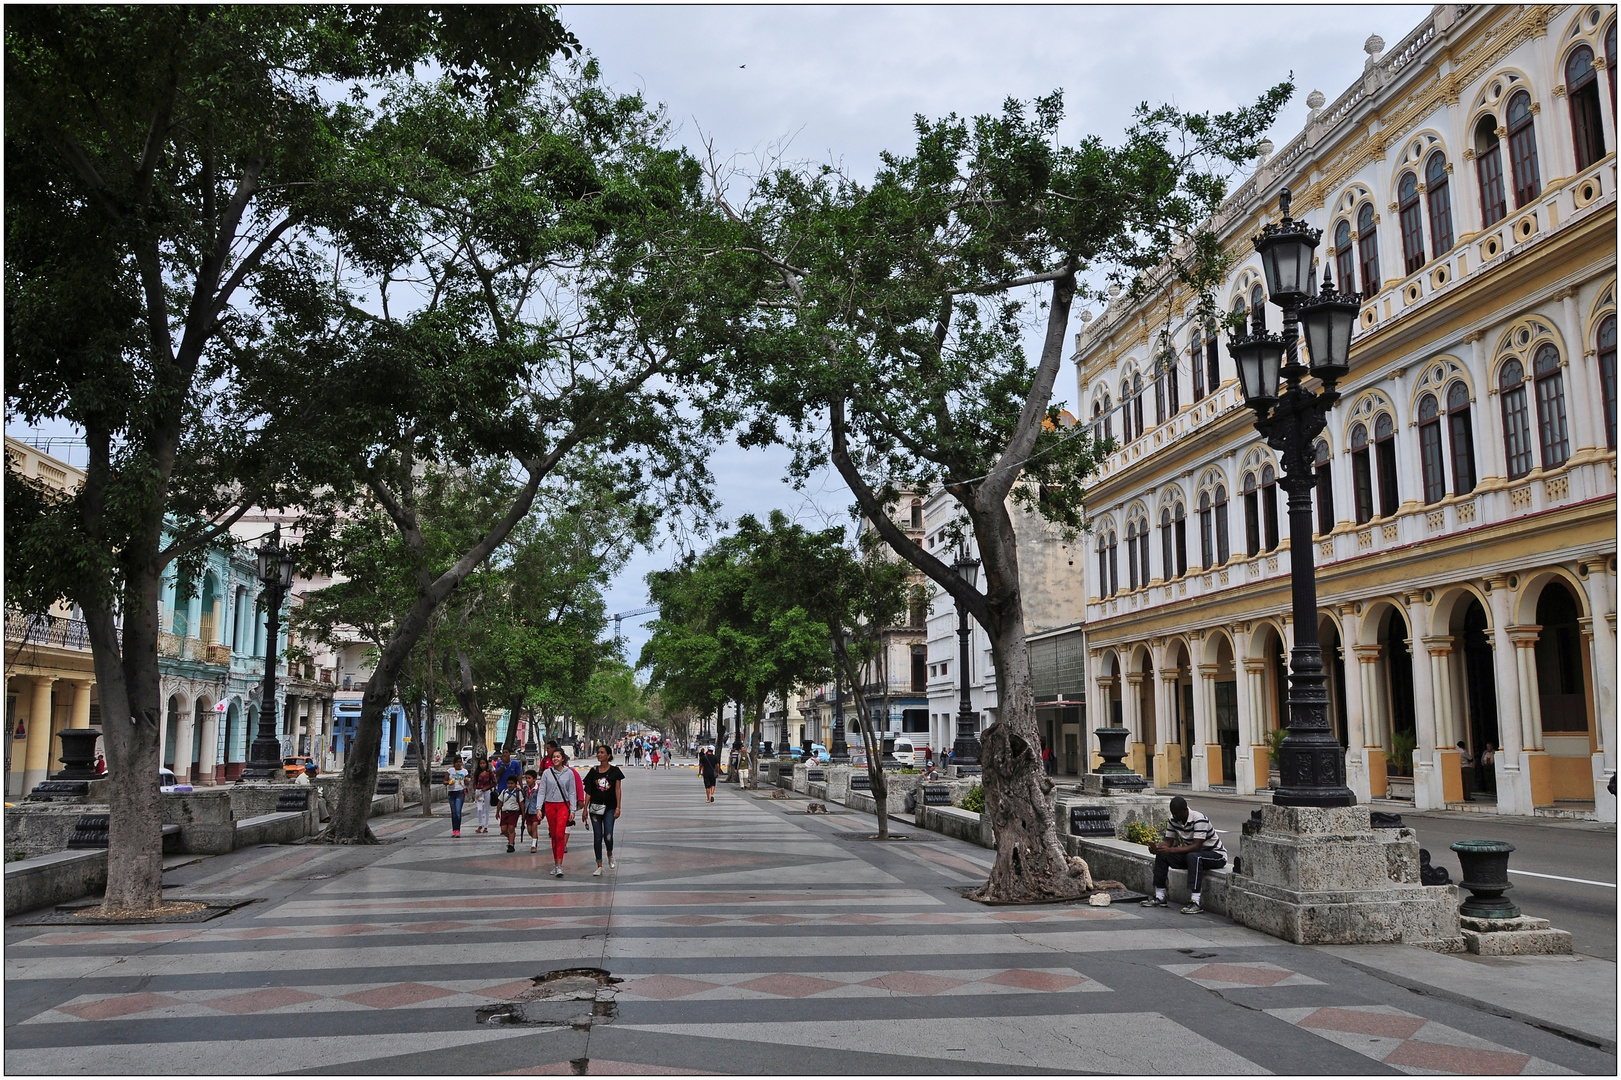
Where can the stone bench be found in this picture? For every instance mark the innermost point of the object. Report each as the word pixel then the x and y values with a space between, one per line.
pixel 274 828
pixel 1132 866
pixel 957 823
pixel 57 878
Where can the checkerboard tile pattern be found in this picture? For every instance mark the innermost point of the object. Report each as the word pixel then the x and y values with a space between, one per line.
pixel 1412 1044
pixel 1239 976
pixel 846 984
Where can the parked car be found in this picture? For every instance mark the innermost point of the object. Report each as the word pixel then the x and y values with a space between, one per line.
pixel 294 766
pixel 167 780
pixel 905 753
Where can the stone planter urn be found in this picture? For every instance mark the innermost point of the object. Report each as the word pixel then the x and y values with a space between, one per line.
pixel 1485 875
pixel 1112 748
pixel 78 754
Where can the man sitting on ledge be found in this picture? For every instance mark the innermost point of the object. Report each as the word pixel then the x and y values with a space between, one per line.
pixel 1191 844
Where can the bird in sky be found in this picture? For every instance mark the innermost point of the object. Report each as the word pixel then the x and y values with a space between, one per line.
pixel 740 67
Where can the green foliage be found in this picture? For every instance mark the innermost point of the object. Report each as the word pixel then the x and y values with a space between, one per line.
pixel 1140 832
pixel 1274 745
pixel 974 800
pixel 1402 745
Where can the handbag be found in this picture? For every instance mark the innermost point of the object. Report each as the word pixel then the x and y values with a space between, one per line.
pixel 599 809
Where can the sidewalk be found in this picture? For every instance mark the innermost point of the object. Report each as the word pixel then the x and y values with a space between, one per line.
pixel 745 936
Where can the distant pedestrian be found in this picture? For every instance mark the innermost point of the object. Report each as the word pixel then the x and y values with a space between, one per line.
pixel 1190 843
pixel 455 793
pixel 558 802
pixel 101 765
pixel 483 789
pixel 603 789
pixel 510 803
pixel 706 768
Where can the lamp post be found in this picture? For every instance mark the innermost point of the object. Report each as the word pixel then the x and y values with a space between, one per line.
pixel 276 572
pixel 838 749
pixel 965 750
pixel 1311 763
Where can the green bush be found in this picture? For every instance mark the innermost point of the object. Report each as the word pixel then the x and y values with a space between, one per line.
pixel 974 801
pixel 1402 746
pixel 1274 740
pixel 1139 832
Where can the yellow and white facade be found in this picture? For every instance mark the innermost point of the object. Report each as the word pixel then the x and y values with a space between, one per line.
pixel 1466 507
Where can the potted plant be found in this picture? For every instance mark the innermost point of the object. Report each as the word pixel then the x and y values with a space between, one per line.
pixel 1400 765
pixel 1274 753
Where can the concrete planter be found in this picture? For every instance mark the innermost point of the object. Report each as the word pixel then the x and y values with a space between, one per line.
pixel 957 823
pixel 54 879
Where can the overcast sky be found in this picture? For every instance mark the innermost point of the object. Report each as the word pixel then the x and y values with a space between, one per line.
pixel 845 82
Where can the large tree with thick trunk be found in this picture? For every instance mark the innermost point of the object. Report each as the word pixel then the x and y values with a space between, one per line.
pixel 890 338
pixel 168 170
pixel 544 297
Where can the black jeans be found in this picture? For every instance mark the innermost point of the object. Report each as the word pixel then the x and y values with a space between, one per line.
pixel 1194 862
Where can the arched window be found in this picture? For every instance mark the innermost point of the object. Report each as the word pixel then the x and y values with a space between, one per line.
pixel 1429 449
pixel 1323 470
pixel 1126 432
pixel 1609 61
pixel 1489 167
pixel 1108 418
pixel 1412 222
pixel 1142 549
pixel 1173 393
pixel 1516 421
pixel 1367 240
pixel 1131 555
pixel 1344 257
pixel 1223 550
pixel 1252 516
pixel 1207 530
pixel 917 513
pixel 1257 297
pixel 1439 197
pixel 1167 544
pixel 1179 524
pixel 1522 150
pixel 1551 407
pixel 1159 397
pixel 1212 360
pixel 1137 404
pixel 1461 432
pixel 1114 565
pixel 1361 474
pixel 1586 121
pixel 1196 358
pixel 1606 367
pixel 1103 564
pixel 1384 451
pixel 1269 507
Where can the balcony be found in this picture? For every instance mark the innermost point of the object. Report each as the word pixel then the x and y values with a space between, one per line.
pixel 175 647
pixel 47 630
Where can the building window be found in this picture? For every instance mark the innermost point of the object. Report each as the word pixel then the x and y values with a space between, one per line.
pixel 1489 167
pixel 1586 121
pixel 1367 239
pixel 1207 531
pixel 1609 61
pixel 1125 411
pixel 1179 523
pixel 1322 468
pixel 1223 551
pixel 1439 196
pixel 1606 365
pixel 1196 358
pixel 1462 433
pixel 1361 474
pixel 1173 393
pixel 1212 358
pixel 1551 407
pixel 1384 450
pixel 1269 506
pixel 1429 449
pixel 1114 565
pixel 1412 222
pixel 1167 544
pixel 1159 398
pixel 917 513
pixel 1344 257
pixel 1522 150
pixel 1108 418
pixel 1131 555
pixel 1142 549
pixel 1516 423
pixel 1137 404
pixel 920 666
pixel 1252 516
pixel 1257 298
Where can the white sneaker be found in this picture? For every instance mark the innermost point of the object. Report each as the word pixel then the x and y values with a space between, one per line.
pixel 612 865
pixel 533 848
pixel 557 871
pixel 597 872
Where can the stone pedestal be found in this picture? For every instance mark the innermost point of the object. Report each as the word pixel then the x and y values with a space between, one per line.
pixel 1325 876
pixel 1117 808
pixel 1522 936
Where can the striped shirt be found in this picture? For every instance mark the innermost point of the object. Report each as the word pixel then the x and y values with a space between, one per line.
pixel 1195 830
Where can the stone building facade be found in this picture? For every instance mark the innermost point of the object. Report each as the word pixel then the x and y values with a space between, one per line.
pixel 1465 509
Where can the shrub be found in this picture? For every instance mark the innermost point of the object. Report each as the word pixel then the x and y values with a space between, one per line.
pixel 974 801
pixel 1402 746
pixel 1274 740
pixel 1140 832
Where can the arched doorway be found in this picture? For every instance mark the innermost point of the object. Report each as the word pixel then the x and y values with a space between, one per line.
pixel 1148 729
pixel 1333 649
pixel 1398 659
pixel 1563 693
pixel 171 731
pixel 1225 695
pixel 232 757
pixel 1479 700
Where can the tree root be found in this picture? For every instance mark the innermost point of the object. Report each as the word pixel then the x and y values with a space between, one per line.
pixel 327 838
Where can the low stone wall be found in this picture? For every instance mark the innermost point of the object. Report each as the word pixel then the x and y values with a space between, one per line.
pixel 957 823
pixel 204 816
pixel 55 878
pixel 282 828
pixel 43 828
pixel 1133 867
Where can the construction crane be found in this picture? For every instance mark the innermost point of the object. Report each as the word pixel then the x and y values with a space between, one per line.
pixel 630 615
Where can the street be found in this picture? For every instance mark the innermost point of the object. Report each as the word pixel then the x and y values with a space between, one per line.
pixel 747 937
pixel 1572 854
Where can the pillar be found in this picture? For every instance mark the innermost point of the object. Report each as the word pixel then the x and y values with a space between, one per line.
pixel 208 748
pixel 1513 796
pixel 184 730
pixel 37 756
pixel 1371 719
pixel 1599 585
pixel 1584 398
pixel 22 686
pixel 1206 747
pixel 1104 717
pixel 1537 778
pixel 1167 701
pixel 1252 747
pixel 1131 708
pixel 1426 717
pixel 1356 750
pixel 1446 784
pixel 80 717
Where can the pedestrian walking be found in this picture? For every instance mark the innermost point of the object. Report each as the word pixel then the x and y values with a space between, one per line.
pixel 483 786
pixel 558 803
pixel 706 768
pixel 606 801
pixel 510 802
pixel 1190 843
pixel 455 793
pixel 531 808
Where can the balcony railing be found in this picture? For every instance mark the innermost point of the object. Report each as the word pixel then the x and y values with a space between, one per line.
pixel 175 647
pixel 48 630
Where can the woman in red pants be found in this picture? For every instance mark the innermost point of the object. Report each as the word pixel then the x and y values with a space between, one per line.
pixel 559 802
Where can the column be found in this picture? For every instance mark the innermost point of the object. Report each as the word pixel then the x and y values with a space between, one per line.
pixel 1488 418
pixel 1252 726
pixel 1513 795
pixel 1601 650
pixel 182 743
pixel 23 687
pixel 1177 770
pixel 1584 399
pixel 1163 769
pixel 1206 750
pixel 1372 719
pixel 1538 774
pixel 81 703
pixel 1243 755
pixel 1356 751
pixel 1447 785
pixel 1131 706
pixel 1104 715
pixel 1426 720
pixel 37 758
pixel 207 748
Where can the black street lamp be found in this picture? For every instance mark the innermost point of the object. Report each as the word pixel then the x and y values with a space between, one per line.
pixel 276 572
pixel 965 750
pixel 1311 763
pixel 838 748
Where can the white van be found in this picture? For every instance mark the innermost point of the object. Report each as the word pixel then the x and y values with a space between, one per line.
pixel 904 752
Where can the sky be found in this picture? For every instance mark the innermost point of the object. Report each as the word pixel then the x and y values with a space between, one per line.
pixel 842 84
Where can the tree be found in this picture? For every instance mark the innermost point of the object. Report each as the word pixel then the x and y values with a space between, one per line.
pixel 168 170
pixel 894 312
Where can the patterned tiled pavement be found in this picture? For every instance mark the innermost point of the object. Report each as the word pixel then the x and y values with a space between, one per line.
pixel 748 938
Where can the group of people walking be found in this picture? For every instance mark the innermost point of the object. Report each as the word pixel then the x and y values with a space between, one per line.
pixel 530 800
pixel 646 752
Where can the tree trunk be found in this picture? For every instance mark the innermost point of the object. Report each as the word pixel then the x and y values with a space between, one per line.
pixel 424 736
pixel 873 743
pixel 467 698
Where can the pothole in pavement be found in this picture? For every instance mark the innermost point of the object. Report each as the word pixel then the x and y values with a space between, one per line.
pixel 580 998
